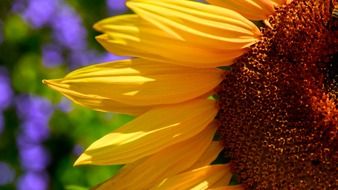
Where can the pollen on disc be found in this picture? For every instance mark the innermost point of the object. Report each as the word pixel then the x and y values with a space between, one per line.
pixel 278 105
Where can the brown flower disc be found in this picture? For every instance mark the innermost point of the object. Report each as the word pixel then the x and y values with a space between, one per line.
pixel 278 104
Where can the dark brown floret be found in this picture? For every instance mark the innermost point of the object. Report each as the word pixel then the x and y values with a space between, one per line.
pixel 278 105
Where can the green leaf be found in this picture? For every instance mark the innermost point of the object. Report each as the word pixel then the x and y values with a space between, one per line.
pixel 74 187
pixel 15 29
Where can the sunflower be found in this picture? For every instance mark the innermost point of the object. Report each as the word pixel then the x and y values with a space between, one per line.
pixel 204 82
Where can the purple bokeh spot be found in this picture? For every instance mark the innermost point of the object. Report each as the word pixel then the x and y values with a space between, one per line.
pixel 34 108
pixel 5 89
pixel 83 58
pixel 33 181
pixel 51 56
pixel 110 57
pixel 65 105
pixel 34 130
pixel 18 6
pixel 40 12
pixel 78 150
pixel 117 6
pixel 68 29
pixel 34 158
pixel 23 141
pixel 7 174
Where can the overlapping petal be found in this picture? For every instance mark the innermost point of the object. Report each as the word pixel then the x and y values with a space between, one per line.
pixel 234 187
pixel 209 155
pixel 96 102
pixel 151 132
pixel 163 164
pixel 127 84
pixel 281 2
pixel 251 9
pixel 180 32
pixel 198 179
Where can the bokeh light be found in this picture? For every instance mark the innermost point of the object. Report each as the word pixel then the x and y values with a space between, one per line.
pixel 7 174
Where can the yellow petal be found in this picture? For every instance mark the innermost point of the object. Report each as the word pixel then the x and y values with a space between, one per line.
pixel 151 132
pixel 234 187
pixel 169 51
pixel 278 2
pixel 251 9
pixel 181 32
pixel 281 2
pixel 165 163
pixel 224 181
pixel 95 102
pixel 136 83
pixel 209 155
pixel 199 179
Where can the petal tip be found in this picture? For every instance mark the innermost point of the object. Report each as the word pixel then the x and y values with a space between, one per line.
pixel 98 26
pixel 44 81
pixel 82 160
pixel 48 82
pixel 101 38
pixel 54 84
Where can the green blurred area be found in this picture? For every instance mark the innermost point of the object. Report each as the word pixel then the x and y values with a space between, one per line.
pixel 81 126
pixel 20 53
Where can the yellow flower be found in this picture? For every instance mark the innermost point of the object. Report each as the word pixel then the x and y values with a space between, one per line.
pixel 274 110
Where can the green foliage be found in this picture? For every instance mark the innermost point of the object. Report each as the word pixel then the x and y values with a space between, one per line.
pixel 15 29
pixel 74 187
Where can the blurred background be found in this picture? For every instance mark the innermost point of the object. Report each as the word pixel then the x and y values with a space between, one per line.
pixel 41 133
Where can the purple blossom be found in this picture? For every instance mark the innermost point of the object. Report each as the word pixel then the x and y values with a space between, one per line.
pixel 117 6
pixel 81 58
pixel 77 150
pixel 5 89
pixel 7 174
pixel 39 12
pixel 51 55
pixel 35 131
pixel 65 105
pixel 23 141
pixel 19 6
pixel 110 57
pixel 33 181
pixel 68 29
pixel 34 108
pixel 34 158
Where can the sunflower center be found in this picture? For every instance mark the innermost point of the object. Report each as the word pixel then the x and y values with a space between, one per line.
pixel 278 105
